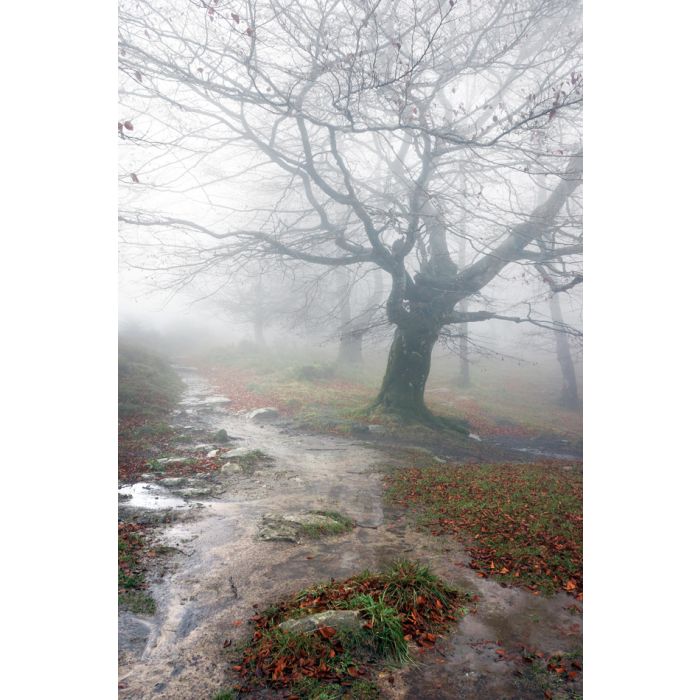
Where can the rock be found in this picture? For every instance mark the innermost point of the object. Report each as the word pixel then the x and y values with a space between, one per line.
pixel 379 429
pixel 231 468
pixel 474 436
pixel 197 448
pixel 338 619
pixel 231 454
pixel 125 496
pixel 289 527
pixel 147 477
pixel 196 492
pixel 263 415
pixel 212 453
pixel 359 429
pixel 173 481
pixel 172 460
pixel 221 436
pixel 276 531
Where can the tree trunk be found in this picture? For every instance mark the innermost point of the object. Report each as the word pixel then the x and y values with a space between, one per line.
pixel 569 392
pixel 463 379
pixel 407 371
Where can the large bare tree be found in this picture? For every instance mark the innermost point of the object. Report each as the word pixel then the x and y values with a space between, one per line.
pixel 357 133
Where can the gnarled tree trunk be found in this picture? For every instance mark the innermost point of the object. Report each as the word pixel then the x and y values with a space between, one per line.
pixel 408 367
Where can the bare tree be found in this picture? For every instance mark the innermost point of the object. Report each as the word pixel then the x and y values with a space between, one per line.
pixel 346 126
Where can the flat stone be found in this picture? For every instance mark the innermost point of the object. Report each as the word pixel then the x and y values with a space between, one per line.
pixel 174 481
pixel 196 492
pixel 172 460
pixel 377 429
pixel 338 619
pixel 262 415
pixel 212 453
pixel 288 527
pixel 237 452
pixel 231 468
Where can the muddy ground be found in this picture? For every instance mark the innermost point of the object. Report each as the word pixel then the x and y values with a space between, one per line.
pixel 212 568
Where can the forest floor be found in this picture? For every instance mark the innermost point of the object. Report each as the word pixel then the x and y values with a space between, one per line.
pixel 497 516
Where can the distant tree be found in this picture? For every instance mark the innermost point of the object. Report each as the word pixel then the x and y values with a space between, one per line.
pixel 349 125
pixel 354 328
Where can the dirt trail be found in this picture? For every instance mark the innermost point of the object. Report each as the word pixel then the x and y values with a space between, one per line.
pixel 222 570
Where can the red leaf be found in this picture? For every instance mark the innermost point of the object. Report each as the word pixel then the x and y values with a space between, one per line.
pixel 326 632
pixel 134 177
pixel 128 125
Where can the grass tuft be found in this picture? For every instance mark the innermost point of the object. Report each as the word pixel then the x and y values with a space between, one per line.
pixel 321 660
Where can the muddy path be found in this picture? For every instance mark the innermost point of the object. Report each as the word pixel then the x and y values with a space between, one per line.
pixel 217 569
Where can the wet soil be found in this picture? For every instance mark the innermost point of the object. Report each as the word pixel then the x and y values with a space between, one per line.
pixel 216 569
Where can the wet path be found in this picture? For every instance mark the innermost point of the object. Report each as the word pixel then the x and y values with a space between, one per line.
pixel 220 569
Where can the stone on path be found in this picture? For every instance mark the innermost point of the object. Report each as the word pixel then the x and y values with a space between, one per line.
pixel 289 527
pixel 263 415
pixel 338 619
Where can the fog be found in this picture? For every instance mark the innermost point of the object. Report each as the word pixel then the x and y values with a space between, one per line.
pixel 414 175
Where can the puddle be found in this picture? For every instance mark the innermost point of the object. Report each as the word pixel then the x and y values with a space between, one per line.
pixel 205 401
pixel 150 496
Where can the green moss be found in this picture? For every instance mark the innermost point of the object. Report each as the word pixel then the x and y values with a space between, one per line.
pixel 138 602
pixel 340 524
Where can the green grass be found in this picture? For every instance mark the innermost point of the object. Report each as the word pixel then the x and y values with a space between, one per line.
pixel 521 523
pixel 386 631
pixel 407 580
pixel 148 387
pixel 225 695
pixel 399 604
pixel 131 578
pixel 505 397
pixel 138 602
pixel 340 524
pixel 541 675
pixel 313 689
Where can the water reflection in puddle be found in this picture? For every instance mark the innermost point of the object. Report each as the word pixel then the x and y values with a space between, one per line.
pixel 152 496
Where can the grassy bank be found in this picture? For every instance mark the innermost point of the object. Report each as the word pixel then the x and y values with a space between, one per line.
pixel 148 387
pixel 504 399
pixel 520 523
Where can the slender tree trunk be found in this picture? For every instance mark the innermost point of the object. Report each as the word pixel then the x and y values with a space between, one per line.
pixel 463 379
pixel 407 370
pixel 259 316
pixel 569 393
pixel 350 349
